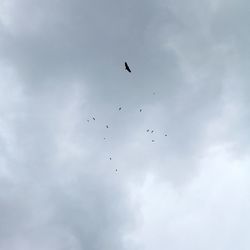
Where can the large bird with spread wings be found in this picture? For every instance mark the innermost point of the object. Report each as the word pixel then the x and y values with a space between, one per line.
pixel 127 67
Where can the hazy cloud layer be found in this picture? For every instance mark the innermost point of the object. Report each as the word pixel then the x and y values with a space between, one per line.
pixel 62 63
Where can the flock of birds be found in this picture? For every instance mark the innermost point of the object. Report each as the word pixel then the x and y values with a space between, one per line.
pixel 120 108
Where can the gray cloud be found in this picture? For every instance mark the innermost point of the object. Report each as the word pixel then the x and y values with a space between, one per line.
pixel 62 63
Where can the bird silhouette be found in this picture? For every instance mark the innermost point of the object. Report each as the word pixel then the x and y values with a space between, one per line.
pixel 110 158
pixel 120 108
pixel 107 126
pixel 166 135
pixel 94 118
pixel 127 67
pixel 152 131
pixel 153 140
pixel 140 110
pixel 147 130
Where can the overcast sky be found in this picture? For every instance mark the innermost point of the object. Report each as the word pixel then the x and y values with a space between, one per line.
pixel 62 63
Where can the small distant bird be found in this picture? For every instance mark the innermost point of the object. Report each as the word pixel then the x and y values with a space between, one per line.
pixel 107 126
pixel 120 108
pixel 166 135
pixel 104 138
pixel 94 118
pixel 152 131
pixel 116 170
pixel 140 110
pixel 153 140
pixel 110 158
pixel 127 67
pixel 147 130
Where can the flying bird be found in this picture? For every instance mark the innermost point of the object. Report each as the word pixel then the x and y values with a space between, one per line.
pixel 107 126
pixel 166 135
pixel 120 108
pixel 127 67
pixel 110 158
pixel 153 140
pixel 140 110
pixel 94 118
pixel 152 131
pixel 147 130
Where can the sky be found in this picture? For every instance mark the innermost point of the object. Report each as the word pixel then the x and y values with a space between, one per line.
pixel 62 63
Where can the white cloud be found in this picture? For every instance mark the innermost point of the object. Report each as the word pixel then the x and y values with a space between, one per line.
pixel 209 212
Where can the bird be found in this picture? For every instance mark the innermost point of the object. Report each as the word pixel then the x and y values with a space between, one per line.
pixel 153 140
pixel 140 110
pixel 166 135
pixel 110 158
pixel 116 170
pixel 120 108
pixel 104 138
pixel 152 131
pixel 127 67
pixel 147 130
pixel 107 126
pixel 94 118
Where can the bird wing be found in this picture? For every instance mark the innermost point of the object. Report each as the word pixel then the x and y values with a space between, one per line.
pixel 127 67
